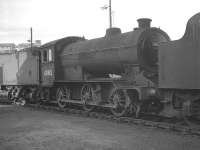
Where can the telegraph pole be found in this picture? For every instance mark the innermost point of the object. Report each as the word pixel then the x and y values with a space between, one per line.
pixel 110 13
pixel 31 38
pixel 109 7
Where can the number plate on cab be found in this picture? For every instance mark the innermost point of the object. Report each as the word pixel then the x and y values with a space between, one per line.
pixel 48 73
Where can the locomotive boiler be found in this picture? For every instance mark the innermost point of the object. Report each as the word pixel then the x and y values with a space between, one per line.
pixel 114 54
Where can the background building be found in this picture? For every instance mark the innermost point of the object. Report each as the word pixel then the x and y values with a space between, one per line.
pixel 7 47
pixel 20 46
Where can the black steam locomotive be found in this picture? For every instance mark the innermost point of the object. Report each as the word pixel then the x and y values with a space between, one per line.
pixel 140 71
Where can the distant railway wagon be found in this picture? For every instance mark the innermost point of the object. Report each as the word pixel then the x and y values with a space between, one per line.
pixel 19 68
pixel 8 69
pixel 136 72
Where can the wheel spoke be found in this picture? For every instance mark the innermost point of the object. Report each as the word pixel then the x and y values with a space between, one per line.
pixel 87 97
pixel 62 94
pixel 118 99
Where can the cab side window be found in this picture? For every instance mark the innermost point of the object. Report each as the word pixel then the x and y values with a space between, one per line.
pixel 44 56
pixel 50 55
pixel 47 55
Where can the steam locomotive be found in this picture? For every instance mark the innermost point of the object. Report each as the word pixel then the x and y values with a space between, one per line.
pixel 136 72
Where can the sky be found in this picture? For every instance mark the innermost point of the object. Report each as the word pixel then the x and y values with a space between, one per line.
pixel 54 19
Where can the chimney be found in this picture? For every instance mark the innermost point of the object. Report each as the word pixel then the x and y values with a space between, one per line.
pixel 144 23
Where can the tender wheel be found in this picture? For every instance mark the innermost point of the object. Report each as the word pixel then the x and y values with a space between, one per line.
pixel 10 94
pixel 87 97
pixel 45 94
pixel 21 101
pixel 119 102
pixel 23 96
pixel 62 94
pixel 37 96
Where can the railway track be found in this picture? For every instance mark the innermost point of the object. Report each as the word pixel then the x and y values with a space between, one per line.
pixel 162 124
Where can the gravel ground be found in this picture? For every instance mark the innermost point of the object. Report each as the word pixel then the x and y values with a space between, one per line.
pixel 26 129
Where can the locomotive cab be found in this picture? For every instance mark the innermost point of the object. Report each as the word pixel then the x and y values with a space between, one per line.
pixel 50 68
pixel 46 65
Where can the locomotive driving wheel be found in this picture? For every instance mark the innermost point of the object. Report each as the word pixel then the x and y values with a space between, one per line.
pixel 62 95
pixel 119 102
pixel 87 97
